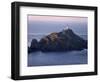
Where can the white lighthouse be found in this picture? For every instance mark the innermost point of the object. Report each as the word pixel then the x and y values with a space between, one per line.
pixel 66 28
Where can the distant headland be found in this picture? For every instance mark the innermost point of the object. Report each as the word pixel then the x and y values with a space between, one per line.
pixel 66 40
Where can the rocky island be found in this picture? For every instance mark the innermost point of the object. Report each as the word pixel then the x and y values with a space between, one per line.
pixel 65 40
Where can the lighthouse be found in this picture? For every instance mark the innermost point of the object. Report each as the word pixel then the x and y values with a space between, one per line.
pixel 66 28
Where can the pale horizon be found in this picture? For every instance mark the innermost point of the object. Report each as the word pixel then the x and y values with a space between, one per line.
pixel 33 18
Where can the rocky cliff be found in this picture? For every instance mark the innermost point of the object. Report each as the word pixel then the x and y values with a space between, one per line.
pixel 65 40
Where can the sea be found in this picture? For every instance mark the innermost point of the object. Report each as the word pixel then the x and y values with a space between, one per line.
pixel 39 58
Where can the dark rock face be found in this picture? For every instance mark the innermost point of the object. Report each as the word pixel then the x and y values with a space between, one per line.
pixel 65 40
pixel 62 41
pixel 34 46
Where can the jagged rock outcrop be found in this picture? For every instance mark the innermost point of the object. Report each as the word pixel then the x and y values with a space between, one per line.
pixel 65 40
pixel 34 46
pixel 62 41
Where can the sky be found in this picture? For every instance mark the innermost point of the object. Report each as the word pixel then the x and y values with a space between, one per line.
pixel 38 24
pixel 32 18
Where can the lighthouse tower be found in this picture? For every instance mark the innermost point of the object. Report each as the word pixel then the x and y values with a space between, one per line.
pixel 66 28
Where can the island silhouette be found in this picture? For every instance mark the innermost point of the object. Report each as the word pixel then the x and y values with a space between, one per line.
pixel 66 40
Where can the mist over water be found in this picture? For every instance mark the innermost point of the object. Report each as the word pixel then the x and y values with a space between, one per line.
pixel 57 58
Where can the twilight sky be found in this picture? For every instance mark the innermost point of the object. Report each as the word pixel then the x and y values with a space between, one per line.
pixel 47 24
pixel 32 18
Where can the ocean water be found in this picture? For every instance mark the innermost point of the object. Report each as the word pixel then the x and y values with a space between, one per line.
pixel 56 58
